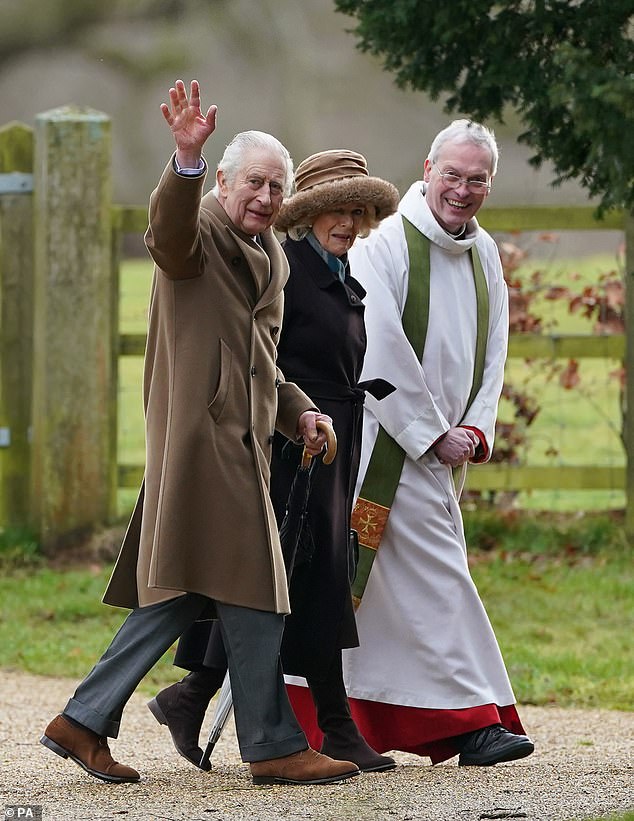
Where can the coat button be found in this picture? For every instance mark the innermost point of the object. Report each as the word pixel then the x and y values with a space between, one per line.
pixel 253 370
pixel 277 382
pixel 275 330
pixel 271 439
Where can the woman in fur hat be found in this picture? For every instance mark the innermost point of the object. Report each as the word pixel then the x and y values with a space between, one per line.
pixel 321 348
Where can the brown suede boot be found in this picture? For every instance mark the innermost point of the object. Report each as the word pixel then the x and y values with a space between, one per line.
pixel 87 749
pixel 342 739
pixel 306 767
pixel 182 707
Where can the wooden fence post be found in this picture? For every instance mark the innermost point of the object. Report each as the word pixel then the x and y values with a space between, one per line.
pixel 629 387
pixel 73 478
pixel 16 321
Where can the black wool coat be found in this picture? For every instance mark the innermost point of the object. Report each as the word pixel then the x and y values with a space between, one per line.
pixel 321 349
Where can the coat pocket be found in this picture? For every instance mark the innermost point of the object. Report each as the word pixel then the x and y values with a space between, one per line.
pixel 217 404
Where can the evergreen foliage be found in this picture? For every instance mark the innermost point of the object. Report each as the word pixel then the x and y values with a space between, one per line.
pixel 565 66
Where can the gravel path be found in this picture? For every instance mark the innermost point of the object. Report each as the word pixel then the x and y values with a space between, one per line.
pixel 583 766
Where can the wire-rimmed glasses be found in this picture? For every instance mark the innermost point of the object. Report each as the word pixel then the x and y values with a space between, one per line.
pixel 453 181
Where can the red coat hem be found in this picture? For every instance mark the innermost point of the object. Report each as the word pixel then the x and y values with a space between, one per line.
pixel 388 727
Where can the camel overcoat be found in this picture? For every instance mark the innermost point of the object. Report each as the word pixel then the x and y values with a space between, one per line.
pixel 213 396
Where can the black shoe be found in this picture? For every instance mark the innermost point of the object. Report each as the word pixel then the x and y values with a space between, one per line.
pixel 491 745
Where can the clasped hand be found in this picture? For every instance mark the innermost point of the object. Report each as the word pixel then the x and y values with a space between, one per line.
pixel 314 439
pixel 457 446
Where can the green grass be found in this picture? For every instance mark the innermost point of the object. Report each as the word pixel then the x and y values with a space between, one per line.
pixel 134 295
pixel 18 548
pixel 564 626
pixel 572 274
pixel 559 592
pixel 576 426
pixel 52 623
pixel 629 816
pixel 135 281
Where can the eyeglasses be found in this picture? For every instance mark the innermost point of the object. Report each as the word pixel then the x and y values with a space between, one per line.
pixel 454 181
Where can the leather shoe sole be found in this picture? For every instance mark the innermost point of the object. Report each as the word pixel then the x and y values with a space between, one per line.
pixel 379 768
pixel 272 779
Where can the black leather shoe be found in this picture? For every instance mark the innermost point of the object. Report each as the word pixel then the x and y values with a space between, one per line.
pixel 491 745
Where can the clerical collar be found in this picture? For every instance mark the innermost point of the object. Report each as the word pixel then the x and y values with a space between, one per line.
pixel 459 234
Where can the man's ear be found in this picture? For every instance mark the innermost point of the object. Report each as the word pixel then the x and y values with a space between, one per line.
pixel 222 182
pixel 427 170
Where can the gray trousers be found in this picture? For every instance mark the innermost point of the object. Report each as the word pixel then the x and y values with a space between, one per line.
pixel 265 723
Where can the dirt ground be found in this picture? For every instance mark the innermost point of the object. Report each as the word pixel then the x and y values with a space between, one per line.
pixel 583 766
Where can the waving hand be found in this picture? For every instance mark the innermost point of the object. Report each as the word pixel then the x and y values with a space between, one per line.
pixel 188 124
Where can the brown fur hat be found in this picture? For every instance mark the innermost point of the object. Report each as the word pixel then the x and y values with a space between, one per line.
pixel 330 179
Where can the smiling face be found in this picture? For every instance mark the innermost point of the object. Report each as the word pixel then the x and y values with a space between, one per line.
pixel 337 230
pixel 253 199
pixel 453 207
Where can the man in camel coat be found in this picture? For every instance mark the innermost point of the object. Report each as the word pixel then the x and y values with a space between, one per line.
pixel 203 540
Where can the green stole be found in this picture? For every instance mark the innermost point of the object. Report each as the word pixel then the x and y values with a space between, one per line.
pixel 372 509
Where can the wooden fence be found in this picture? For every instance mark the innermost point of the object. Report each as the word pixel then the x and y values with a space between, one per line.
pixel 60 253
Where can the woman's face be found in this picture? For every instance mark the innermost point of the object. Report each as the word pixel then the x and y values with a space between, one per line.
pixel 337 230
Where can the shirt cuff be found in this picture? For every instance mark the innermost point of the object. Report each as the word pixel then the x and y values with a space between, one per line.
pixel 190 172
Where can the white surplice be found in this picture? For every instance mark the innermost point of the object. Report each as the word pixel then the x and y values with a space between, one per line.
pixel 425 638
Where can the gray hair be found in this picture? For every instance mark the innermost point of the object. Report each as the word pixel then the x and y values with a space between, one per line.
pixel 246 141
pixel 466 131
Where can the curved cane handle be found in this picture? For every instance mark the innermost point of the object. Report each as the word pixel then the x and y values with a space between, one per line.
pixel 331 441
pixel 331 444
